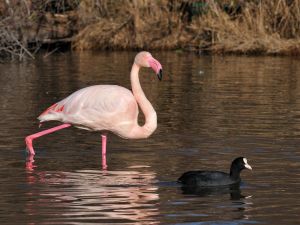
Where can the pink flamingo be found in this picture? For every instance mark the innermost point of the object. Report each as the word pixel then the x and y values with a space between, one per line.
pixel 106 108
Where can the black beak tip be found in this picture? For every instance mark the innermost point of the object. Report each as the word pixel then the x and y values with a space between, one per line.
pixel 159 75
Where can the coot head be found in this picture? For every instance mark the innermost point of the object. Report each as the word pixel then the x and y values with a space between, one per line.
pixel 237 166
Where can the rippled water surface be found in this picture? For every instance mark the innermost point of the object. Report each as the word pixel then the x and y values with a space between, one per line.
pixel 210 110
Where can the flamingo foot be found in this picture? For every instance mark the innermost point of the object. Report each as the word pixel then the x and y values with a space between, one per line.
pixel 29 146
pixel 29 163
pixel 104 165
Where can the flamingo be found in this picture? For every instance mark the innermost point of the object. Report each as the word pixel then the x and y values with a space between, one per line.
pixel 105 108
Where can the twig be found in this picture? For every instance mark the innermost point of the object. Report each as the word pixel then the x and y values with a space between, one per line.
pixel 50 53
pixel 21 46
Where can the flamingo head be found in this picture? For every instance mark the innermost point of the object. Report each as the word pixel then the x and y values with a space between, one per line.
pixel 145 59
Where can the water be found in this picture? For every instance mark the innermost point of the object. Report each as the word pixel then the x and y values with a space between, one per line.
pixel 210 110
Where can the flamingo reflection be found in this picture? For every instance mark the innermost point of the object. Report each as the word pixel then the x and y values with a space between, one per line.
pixel 89 195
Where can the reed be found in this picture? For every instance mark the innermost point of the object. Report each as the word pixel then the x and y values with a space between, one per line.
pixel 263 27
pixel 259 27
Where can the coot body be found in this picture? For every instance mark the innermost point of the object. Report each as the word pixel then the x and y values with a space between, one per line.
pixel 216 178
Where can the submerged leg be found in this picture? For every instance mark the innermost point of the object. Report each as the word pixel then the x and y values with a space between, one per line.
pixel 104 165
pixel 31 137
pixel 29 163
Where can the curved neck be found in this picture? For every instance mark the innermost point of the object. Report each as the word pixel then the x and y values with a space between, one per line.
pixel 150 115
pixel 235 172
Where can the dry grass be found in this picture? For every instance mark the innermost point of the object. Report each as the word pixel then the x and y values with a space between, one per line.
pixel 128 24
pixel 229 26
pixel 262 27
pixel 269 27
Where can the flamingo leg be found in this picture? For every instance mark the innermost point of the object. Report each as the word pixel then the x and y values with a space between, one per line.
pixel 31 137
pixel 29 163
pixel 104 140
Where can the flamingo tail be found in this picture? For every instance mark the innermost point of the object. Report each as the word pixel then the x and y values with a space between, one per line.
pixel 52 113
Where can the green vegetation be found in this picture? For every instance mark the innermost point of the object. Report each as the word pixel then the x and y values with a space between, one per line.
pixel 218 27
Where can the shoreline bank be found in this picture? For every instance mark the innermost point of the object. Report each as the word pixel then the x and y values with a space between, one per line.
pixel 214 27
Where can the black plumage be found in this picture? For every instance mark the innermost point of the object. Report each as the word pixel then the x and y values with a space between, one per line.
pixel 215 178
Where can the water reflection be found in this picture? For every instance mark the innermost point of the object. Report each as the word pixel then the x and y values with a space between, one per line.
pixel 233 191
pixel 201 205
pixel 87 196
pixel 228 198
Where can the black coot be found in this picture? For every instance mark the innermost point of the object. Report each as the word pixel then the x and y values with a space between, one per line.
pixel 216 178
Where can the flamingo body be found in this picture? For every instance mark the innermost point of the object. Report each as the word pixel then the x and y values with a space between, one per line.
pixel 97 108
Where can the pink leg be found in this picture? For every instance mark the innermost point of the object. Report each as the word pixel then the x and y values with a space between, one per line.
pixel 31 137
pixel 29 163
pixel 104 165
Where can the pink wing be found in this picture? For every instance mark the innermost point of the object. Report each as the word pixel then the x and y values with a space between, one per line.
pixel 53 108
pixel 99 107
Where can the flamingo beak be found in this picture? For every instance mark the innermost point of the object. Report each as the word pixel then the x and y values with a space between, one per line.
pixel 159 75
pixel 156 66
